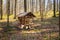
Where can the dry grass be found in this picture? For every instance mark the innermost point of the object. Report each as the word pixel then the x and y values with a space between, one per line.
pixel 50 24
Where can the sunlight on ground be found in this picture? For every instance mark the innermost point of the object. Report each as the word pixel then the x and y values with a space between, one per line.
pixel 49 14
pixel 31 31
pixel 35 31
pixel 5 18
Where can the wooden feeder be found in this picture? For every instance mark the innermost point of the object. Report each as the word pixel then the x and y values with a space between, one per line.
pixel 25 19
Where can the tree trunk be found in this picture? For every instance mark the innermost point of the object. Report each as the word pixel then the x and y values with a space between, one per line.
pixel 54 8
pixel 1 15
pixel 41 11
pixel 15 10
pixel 36 5
pixel 11 6
pixel 57 5
pixel 8 11
pixel 49 5
pixel 25 6
pixel 28 5
pixel 32 6
pixel 42 8
pixel 59 17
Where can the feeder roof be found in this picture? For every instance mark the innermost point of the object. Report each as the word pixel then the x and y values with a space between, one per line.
pixel 26 14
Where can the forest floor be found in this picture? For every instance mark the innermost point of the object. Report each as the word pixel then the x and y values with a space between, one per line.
pixel 48 30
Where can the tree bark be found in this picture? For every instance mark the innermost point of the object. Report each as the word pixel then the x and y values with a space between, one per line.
pixel 25 6
pixel 11 6
pixel 32 6
pixel 8 11
pixel 36 5
pixel 59 19
pixel 1 14
pixel 54 9
pixel 49 5
pixel 15 10
pixel 57 5
pixel 42 8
